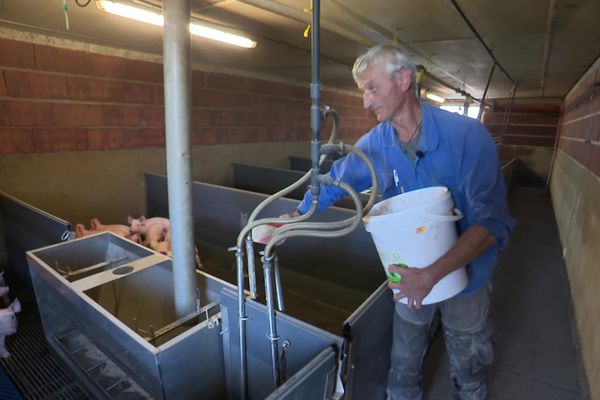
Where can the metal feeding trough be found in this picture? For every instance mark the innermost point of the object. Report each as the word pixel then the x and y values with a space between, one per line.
pixel 107 306
pixel 336 285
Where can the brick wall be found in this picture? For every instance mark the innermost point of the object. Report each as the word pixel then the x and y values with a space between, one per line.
pixel 527 124
pixel 575 190
pixel 580 125
pixel 56 99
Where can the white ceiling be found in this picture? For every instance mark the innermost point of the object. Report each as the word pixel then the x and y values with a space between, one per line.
pixel 545 45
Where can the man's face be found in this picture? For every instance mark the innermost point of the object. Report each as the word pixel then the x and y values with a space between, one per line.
pixel 382 94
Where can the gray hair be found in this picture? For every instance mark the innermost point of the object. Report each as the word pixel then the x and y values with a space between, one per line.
pixel 391 58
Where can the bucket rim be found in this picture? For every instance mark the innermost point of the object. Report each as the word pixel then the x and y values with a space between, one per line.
pixel 444 191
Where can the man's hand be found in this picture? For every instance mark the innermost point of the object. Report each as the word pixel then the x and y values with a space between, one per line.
pixel 293 214
pixel 415 284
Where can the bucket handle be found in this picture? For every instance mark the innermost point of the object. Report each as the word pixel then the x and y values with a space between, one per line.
pixel 445 218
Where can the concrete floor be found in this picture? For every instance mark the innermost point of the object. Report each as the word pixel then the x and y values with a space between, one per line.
pixel 536 356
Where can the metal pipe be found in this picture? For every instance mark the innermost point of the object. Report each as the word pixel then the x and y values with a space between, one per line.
pixel 507 112
pixel 315 87
pixel 487 85
pixel 547 44
pixel 242 318
pixel 278 288
pixel 457 90
pixel 177 87
pixel 272 334
pixel 251 266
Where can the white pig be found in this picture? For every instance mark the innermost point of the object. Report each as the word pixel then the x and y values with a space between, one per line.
pixel 120 230
pixel 164 247
pixel 81 231
pixel 142 224
pixel 8 325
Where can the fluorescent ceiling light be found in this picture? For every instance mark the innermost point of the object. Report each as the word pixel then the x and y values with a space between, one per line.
pixel 150 17
pixel 434 97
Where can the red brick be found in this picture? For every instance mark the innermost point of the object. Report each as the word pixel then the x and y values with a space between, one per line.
pixel 524 130
pixel 105 139
pixel 154 116
pixel 122 116
pixel 2 84
pixel 210 98
pixel 202 118
pixel 544 119
pixel 205 136
pixel 84 63
pixel 119 67
pixel 139 138
pixel 596 129
pixel 35 85
pixel 216 80
pixel 499 106
pixel 5 113
pixel 25 113
pixel 16 54
pixel 595 167
pixel 262 135
pixel 76 115
pixel 15 141
pixel 6 142
pixel 198 79
pixel 112 91
pixel 159 95
pixel 54 140
pixel 529 141
pixel 237 135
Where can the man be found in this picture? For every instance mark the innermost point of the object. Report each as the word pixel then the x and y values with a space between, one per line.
pixel 414 146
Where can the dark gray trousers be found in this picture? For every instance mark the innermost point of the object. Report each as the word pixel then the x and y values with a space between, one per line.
pixel 467 334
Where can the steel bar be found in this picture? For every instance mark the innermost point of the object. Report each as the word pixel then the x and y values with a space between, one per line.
pixel 177 87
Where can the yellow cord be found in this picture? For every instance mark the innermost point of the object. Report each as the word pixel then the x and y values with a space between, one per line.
pixel 309 12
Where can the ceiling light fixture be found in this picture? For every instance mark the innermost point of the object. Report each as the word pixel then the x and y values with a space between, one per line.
pixel 434 97
pixel 150 17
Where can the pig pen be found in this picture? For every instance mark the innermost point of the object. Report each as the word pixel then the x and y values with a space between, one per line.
pixel 107 306
pixel 334 284
pixel 270 180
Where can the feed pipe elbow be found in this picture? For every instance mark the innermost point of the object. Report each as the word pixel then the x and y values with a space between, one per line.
pixel 278 236
pixel 344 148
pixel 326 112
pixel 327 180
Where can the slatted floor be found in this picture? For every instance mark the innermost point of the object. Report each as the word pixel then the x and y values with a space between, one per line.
pixel 34 369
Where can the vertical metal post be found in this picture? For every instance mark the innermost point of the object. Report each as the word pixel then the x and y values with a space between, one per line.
pixel 482 103
pixel 272 334
pixel 315 93
pixel 278 288
pixel 177 84
pixel 242 318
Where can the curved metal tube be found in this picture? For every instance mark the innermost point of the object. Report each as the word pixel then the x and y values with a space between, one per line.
pixel 353 223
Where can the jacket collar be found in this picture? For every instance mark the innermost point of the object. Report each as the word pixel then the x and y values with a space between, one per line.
pixel 430 137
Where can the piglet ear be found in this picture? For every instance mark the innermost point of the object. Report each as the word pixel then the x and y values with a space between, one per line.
pixel 142 219
pixel 129 219
pixel 15 306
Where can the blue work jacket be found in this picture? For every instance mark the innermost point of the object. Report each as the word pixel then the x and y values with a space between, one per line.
pixel 456 152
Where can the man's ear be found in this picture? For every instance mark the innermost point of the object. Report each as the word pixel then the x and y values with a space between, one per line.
pixel 403 79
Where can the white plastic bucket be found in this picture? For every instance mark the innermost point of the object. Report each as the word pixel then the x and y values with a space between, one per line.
pixel 416 228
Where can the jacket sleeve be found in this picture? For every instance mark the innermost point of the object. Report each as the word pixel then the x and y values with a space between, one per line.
pixel 483 186
pixel 350 169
